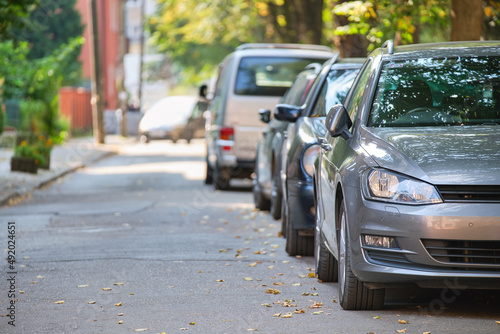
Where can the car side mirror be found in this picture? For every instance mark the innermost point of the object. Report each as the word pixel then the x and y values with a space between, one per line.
pixel 265 115
pixel 287 112
pixel 338 122
pixel 203 91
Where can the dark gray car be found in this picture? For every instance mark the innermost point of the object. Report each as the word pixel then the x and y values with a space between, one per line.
pixel 407 184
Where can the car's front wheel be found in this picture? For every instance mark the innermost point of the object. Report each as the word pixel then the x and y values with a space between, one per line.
pixel 297 244
pixel 326 264
pixel 276 195
pixel 353 294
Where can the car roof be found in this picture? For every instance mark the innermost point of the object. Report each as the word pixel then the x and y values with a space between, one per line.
pixel 441 50
pixel 283 50
pixel 249 46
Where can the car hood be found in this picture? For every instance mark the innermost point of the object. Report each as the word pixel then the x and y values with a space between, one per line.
pixel 440 155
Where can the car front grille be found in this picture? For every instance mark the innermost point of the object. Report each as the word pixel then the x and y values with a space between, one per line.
pixel 486 194
pixel 475 253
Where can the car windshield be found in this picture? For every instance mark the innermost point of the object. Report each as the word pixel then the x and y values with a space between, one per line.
pixel 268 76
pixel 438 92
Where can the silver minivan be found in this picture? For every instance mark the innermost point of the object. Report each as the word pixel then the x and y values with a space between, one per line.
pixel 250 79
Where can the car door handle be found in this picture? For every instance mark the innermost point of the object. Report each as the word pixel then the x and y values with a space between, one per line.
pixel 327 147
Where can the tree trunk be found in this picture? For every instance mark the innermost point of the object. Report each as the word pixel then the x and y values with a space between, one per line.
pixel 304 20
pixel 466 20
pixel 349 45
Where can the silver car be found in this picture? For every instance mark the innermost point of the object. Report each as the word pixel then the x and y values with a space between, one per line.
pixel 407 184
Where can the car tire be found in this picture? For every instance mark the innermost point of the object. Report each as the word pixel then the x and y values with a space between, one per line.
pixel 353 294
pixel 297 244
pixel 284 219
pixel 326 264
pixel 259 200
pixel 222 178
pixel 276 196
pixel 209 178
pixel 144 139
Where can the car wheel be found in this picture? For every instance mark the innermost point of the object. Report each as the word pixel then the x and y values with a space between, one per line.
pixel 297 244
pixel 259 200
pixel 209 179
pixel 284 218
pixel 276 196
pixel 353 294
pixel 326 264
pixel 222 177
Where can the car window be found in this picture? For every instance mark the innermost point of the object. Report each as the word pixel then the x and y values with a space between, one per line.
pixel 297 93
pixel 353 105
pixel 334 90
pixel 268 76
pixel 438 92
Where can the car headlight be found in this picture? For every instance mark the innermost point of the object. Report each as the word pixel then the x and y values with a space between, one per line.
pixel 383 185
pixel 308 157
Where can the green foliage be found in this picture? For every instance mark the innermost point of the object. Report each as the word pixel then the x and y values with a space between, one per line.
pixel 53 24
pixel 197 35
pixel 36 83
pixel 14 15
pixel 380 20
pixel 31 150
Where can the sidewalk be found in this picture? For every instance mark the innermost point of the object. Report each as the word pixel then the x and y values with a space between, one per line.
pixel 64 159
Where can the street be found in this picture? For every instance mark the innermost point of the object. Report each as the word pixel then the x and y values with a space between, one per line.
pixel 137 243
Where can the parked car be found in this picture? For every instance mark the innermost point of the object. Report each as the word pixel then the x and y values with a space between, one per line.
pixel 174 117
pixel 407 183
pixel 300 149
pixel 251 78
pixel 267 188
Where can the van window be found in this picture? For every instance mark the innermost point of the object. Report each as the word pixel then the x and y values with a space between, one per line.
pixel 268 76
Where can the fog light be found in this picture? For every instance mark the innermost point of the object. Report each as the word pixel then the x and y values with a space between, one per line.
pixel 378 241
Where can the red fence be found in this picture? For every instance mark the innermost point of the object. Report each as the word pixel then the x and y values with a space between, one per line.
pixel 74 104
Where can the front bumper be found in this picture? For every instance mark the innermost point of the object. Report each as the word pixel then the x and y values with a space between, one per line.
pixel 439 245
pixel 301 204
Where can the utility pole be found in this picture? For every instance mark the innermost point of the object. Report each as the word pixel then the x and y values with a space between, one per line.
pixel 142 53
pixel 97 108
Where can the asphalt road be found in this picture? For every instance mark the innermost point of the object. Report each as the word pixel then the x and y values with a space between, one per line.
pixel 136 243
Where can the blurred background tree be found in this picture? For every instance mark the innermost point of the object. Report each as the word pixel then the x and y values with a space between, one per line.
pixel 196 35
pixel 50 25
pixel 14 14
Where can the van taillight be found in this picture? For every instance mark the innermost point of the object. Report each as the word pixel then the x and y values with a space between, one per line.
pixel 226 134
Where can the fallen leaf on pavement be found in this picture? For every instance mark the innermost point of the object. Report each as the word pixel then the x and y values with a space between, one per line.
pixel 288 315
pixel 107 289
pixel 120 322
pixel 219 280
pixel 402 321
pixel 317 312
pixel 316 305
pixel 401 331
pixel 273 291
pixel 248 278
pixel 140 330
pixel 82 286
pixel 299 311
pixel 311 275
pixel 59 302
pixel 192 323
pixel 377 317
pixel 91 302
pixel 276 314
pixel 118 304
pixel 118 283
